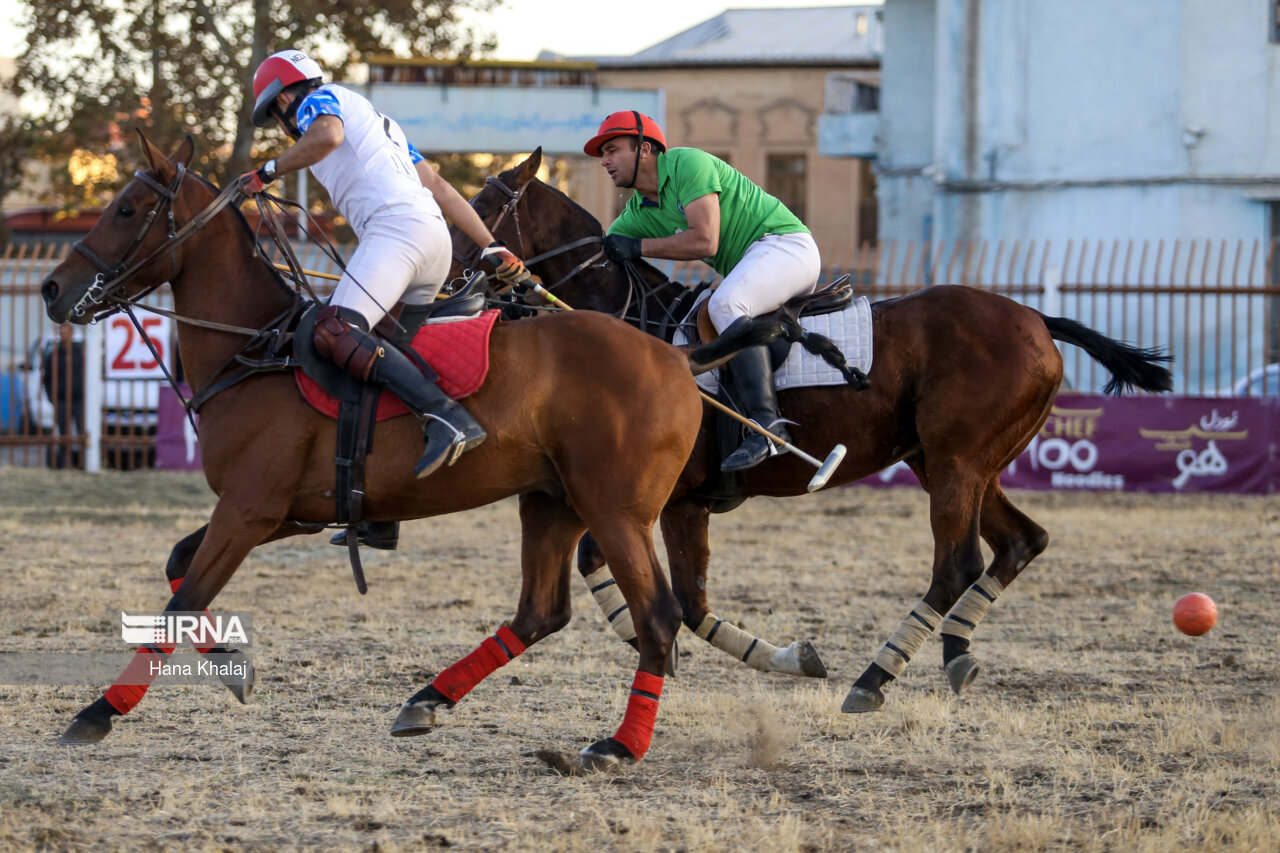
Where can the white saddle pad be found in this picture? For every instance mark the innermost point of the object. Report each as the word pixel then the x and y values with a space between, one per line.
pixel 850 329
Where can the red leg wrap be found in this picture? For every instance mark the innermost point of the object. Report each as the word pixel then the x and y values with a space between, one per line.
pixel 636 730
pixel 128 690
pixel 458 680
pixel 173 587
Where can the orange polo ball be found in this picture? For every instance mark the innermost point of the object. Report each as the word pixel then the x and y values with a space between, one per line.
pixel 1195 614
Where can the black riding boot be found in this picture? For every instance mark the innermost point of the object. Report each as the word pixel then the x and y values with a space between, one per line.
pixel 752 377
pixel 450 429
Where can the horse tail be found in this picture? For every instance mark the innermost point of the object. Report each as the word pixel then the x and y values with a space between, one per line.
pixel 1131 367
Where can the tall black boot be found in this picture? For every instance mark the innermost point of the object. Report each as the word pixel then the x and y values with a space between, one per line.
pixel 450 429
pixel 752 377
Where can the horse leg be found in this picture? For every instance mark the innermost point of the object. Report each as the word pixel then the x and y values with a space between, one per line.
pixel 176 569
pixel 594 570
pixel 957 563
pixel 1015 540
pixel 656 615
pixel 219 549
pixel 684 529
pixel 549 530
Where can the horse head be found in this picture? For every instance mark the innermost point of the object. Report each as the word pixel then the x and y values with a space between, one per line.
pixel 560 241
pixel 131 249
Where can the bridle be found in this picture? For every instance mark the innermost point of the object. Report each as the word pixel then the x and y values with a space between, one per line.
pixel 638 292
pixel 111 278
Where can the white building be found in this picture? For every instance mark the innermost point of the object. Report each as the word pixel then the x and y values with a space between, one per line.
pixel 1021 119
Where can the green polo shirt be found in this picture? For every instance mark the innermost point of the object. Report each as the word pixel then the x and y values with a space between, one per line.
pixel 747 212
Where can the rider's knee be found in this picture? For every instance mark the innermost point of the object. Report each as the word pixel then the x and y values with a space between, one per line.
pixel 341 335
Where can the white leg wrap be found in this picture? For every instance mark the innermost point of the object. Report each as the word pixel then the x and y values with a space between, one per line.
pixel 903 644
pixel 610 601
pixel 971 607
pixel 731 639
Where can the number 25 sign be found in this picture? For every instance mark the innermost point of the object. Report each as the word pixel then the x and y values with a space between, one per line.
pixel 128 356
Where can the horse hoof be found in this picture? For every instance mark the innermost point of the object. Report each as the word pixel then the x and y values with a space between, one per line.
pixel 85 730
pixel 605 755
pixel 961 671
pixel 415 718
pixel 242 689
pixel 862 701
pixel 799 659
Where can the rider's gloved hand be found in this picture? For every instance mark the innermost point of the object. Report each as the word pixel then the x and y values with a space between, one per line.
pixel 507 267
pixel 620 248
pixel 255 181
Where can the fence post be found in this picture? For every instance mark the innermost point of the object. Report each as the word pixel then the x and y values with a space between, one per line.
pixel 94 356
pixel 1052 291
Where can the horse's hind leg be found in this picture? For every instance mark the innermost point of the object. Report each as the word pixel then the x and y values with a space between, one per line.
pixel 957 562
pixel 685 530
pixel 628 545
pixel 1015 541
pixel 595 571
pixel 549 529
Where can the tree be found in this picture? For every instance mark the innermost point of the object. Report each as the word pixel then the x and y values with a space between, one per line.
pixel 175 67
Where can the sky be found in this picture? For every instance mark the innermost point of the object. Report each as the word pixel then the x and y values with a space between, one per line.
pixel 570 27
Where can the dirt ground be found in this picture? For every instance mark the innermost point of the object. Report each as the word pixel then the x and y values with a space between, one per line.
pixel 1094 725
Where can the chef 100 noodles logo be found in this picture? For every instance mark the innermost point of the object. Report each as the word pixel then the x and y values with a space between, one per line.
pixel 1066 449
pixel 202 630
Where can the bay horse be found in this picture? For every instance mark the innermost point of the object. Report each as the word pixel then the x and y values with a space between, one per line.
pixel 564 436
pixel 960 383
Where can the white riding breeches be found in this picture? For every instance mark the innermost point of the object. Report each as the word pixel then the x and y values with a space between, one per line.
pixel 777 267
pixel 401 256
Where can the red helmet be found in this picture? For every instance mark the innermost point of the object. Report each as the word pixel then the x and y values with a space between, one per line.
pixel 625 123
pixel 277 72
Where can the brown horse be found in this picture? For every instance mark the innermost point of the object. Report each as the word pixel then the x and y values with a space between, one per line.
pixel 961 381
pixel 577 450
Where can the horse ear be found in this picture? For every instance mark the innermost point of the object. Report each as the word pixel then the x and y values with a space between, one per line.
pixel 529 168
pixel 155 158
pixel 182 154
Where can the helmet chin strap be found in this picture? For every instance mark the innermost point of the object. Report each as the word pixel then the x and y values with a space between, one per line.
pixel 635 172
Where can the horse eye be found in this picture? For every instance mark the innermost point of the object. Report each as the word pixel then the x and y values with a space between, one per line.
pixel 125 210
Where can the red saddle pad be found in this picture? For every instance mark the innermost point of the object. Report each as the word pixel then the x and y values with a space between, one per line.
pixel 457 351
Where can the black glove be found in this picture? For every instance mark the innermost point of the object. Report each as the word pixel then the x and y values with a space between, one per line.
pixel 620 248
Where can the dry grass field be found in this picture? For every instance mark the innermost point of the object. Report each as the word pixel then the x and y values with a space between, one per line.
pixel 1093 726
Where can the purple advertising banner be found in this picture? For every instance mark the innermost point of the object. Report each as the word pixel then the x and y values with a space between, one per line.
pixel 1145 444
pixel 1089 443
pixel 176 445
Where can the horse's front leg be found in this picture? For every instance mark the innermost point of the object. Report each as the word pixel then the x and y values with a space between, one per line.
pixel 217 551
pixel 176 569
pixel 549 529
pixel 685 526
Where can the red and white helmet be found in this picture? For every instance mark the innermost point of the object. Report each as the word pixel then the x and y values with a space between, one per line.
pixel 278 71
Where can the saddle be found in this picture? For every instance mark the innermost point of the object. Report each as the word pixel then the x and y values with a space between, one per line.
pixel 357 406
pixel 725 488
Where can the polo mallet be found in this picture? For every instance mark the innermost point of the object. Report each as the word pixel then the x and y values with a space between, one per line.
pixel 825 468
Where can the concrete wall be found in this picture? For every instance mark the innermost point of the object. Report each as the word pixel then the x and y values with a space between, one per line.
pixel 1148 118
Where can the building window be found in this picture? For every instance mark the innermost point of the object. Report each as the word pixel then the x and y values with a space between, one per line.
pixel 785 179
pixel 860 24
pixel 1274 29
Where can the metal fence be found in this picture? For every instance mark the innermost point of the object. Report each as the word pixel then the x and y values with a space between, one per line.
pixel 1211 303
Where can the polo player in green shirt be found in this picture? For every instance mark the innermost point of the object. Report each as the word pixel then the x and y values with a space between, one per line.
pixel 690 205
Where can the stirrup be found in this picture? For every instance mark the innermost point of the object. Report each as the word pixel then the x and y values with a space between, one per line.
pixel 755 448
pixel 445 443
